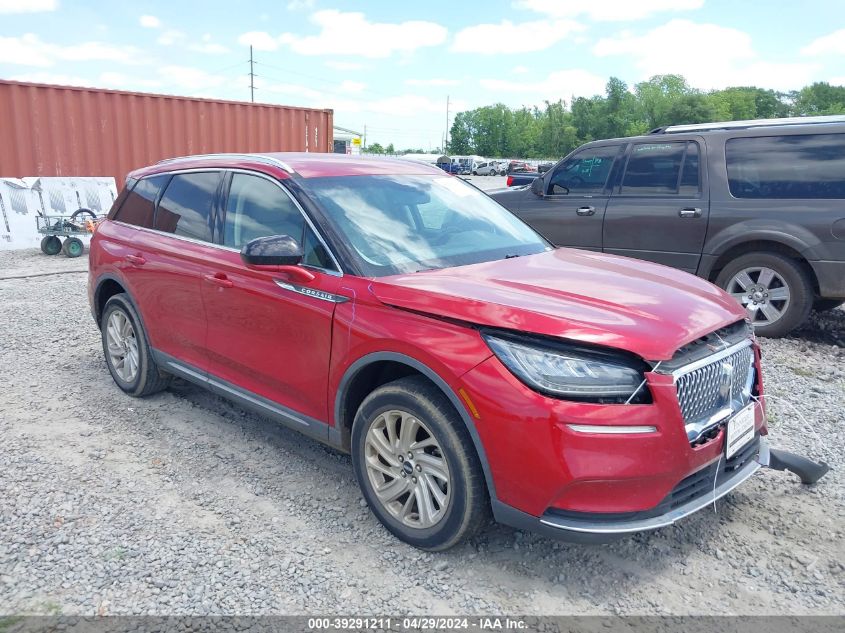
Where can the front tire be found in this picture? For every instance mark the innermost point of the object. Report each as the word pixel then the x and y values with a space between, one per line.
pixel 127 350
pixel 776 291
pixel 416 465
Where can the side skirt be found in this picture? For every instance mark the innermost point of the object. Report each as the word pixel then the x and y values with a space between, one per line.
pixel 289 418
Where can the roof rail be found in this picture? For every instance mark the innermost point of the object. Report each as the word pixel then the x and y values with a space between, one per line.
pixel 729 125
pixel 259 157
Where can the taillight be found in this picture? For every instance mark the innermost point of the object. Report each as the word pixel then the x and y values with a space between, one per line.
pixel 510 181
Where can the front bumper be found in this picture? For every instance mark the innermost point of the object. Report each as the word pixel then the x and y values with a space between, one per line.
pixel 698 491
pixel 548 477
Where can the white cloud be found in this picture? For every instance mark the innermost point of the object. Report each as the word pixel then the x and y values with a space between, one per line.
pixel 259 40
pixel 191 79
pixel 400 106
pixel 352 34
pixel 150 22
pixel 107 79
pixel 170 37
pixel 561 84
pixel 339 65
pixel 507 37
pixel 666 49
pixel 432 82
pixel 60 79
pixel 208 47
pixel 30 50
pixel 27 6
pixel 300 5
pixel 833 44
pixel 607 10
pixel 352 86
pixel 519 70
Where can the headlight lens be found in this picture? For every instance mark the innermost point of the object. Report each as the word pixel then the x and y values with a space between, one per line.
pixel 568 374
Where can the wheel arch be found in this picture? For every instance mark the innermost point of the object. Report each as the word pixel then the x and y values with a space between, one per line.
pixel 107 286
pixel 373 370
pixel 790 247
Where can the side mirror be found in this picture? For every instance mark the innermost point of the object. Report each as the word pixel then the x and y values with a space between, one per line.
pixel 276 253
pixel 538 187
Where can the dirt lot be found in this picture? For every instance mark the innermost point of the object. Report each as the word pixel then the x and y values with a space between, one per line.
pixel 182 503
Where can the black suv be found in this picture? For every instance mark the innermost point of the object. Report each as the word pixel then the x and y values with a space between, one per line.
pixel 757 207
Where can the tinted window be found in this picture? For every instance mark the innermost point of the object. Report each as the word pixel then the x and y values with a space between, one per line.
pixel 801 166
pixel 139 204
pixel 257 207
pixel 185 209
pixel 653 168
pixel 690 176
pixel 585 172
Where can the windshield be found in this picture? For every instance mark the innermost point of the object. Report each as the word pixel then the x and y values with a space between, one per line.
pixel 402 224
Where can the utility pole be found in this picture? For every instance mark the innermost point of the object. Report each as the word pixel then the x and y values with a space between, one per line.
pixel 446 136
pixel 251 77
pixel 365 138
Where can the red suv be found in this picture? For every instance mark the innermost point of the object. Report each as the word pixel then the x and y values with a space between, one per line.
pixel 400 314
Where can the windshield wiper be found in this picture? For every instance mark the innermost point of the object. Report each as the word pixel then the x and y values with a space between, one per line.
pixel 512 255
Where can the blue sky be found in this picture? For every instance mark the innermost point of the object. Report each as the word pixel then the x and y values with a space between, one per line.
pixel 390 65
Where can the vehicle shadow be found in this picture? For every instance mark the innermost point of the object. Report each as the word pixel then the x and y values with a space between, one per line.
pixel 826 328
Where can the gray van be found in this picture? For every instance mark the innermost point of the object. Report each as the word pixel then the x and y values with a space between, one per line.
pixel 757 207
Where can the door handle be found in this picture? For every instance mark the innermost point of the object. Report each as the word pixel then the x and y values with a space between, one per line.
pixel 690 212
pixel 135 260
pixel 219 279
pixel 585 211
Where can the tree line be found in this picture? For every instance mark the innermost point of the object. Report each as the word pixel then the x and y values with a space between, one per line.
pixel 498 131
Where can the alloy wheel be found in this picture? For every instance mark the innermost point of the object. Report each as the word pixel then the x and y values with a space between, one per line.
pixel 764 293
pixel 407 469
pixel 122 346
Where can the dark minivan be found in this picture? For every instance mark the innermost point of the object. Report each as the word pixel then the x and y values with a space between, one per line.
pixel 757 207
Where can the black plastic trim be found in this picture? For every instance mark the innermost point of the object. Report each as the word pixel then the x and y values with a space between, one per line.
pixel 429 373
pixel 306 425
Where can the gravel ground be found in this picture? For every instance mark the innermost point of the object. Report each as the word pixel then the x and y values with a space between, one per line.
pixel 184 504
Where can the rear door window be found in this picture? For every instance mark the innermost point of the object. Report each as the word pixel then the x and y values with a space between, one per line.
pixel 792 166
pixel 139 204
pixel 187 204
pixel 655 169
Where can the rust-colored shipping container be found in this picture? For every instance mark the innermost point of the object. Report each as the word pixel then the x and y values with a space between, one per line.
pixel 50 130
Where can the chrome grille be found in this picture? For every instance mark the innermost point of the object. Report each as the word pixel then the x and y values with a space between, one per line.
pixel 700 390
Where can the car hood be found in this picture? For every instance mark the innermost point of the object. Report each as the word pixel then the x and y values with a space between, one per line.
pixel 648 309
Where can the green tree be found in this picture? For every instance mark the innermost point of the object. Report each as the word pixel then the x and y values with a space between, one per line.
pixel 820 98
pixel 375 148
pixel 655 96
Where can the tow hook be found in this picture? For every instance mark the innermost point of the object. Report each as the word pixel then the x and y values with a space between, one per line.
pixel 808 470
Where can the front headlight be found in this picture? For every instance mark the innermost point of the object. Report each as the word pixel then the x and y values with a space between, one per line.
pixel 575 374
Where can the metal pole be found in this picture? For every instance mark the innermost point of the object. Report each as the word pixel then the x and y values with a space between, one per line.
pixel 446 136
pixel 251 77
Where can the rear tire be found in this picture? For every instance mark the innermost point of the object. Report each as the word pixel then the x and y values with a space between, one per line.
pixel 763 276
pixel 825 305
pixel 438 451
pixel 127 350
pixel 51 245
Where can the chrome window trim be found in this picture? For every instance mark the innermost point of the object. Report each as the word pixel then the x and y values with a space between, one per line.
pixel 275 181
